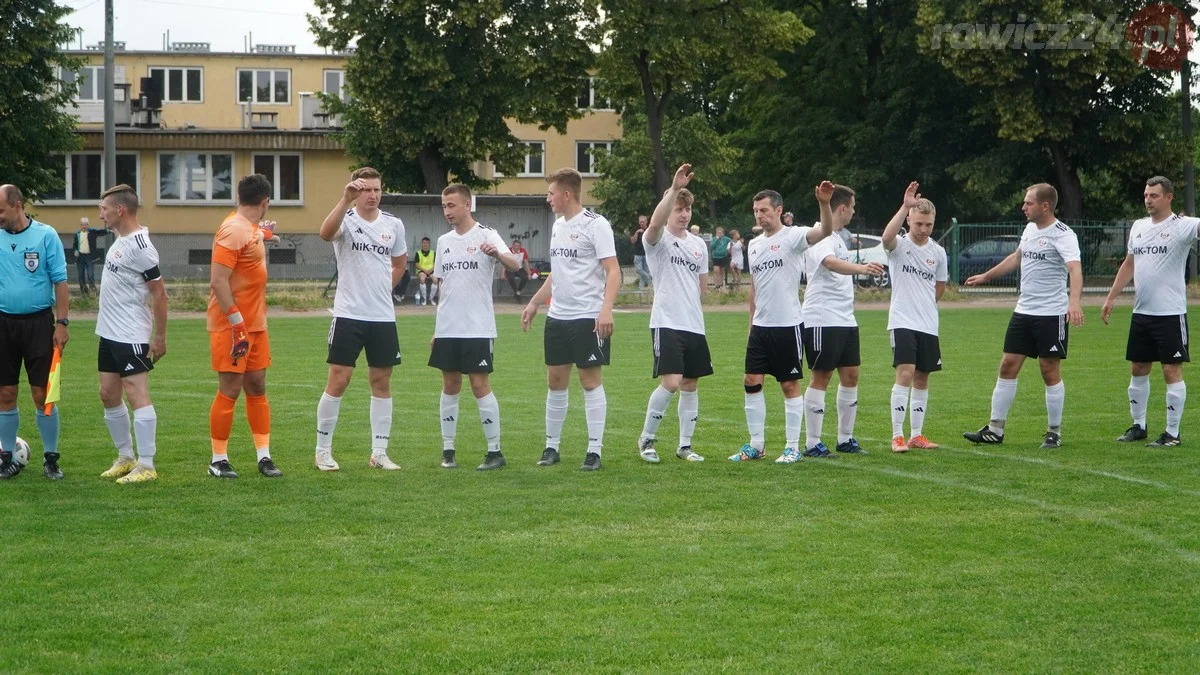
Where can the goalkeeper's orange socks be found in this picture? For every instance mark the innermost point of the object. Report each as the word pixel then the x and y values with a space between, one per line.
pixel 258 413
pixel 220 423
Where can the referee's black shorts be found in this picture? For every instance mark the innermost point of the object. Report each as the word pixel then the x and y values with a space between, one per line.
pixel 28 339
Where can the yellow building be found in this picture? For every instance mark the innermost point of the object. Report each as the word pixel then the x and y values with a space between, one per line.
pixel 225 115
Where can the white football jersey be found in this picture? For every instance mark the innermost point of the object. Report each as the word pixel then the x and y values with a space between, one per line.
pixel 465 301
pixel 776 264
pixel 829 297
pixel 676 264
pixel 1160 253
pixel 1045 253
pixel 364 251
pixel 916 271
pixel 124 310
pixel 576 276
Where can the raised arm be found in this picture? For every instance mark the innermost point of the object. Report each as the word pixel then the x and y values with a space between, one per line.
pixel 893 227
pixel 1124 276
pixel 333 222
pixel 825 227
pixel 658 221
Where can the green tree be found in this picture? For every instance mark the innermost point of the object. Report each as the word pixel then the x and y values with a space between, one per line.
pixel 626 185
pixel 35 118
pixel 662 57
pixel 433 83
pixel 1061 100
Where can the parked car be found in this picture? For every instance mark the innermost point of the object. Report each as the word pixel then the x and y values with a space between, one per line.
pixel 870 249
pixel 980 256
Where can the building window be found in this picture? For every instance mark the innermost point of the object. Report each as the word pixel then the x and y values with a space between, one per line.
pixel 264 86
pixel 286 173
pixel 179 85
pixel 585 155
pixel 195 176
pixel 82 174
pixel 89 82
pixel 335 84
pixel 535 153
pixel 588 98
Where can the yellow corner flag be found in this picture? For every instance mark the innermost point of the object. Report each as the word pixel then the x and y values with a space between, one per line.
pixel 53 389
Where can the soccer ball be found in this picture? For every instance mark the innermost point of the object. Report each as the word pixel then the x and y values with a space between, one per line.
pixel 21 455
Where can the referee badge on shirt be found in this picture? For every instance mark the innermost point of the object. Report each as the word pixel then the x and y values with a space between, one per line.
pixel 32 260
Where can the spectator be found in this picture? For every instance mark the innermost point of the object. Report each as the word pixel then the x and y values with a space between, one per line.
pixel 848 238
pixel 719 249
pixel 398 293
pixel 639 253
pixel 425 267
pixel 788 218
pixel 737 256
pixel 695 229
pixel 517 280
pixel 85 252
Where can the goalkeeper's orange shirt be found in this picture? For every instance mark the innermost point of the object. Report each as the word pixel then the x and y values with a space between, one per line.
pixel 239 246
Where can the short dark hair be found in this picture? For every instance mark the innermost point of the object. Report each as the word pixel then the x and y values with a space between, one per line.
pixel 122 194
pixel 841 197
pixel 1164 182
pixel 253 189
pixel 12 194
pixel 775 197
pixel 424 238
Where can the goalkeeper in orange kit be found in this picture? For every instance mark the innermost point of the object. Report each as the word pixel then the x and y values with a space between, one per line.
pixel 237 326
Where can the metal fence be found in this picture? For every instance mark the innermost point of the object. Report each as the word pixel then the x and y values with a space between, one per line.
pixel 973 248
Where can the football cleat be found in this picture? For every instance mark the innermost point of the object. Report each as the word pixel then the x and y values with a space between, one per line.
pixel 1165 440
pixel 8 468
pixel 120 467
pixel 139 474
pixel 898 444
pixel 686 453
pixel 747 453
pixel 1134 433
pixel 50 466
pixel 1052 440
pixel 549 457
pixel 380 460
pixel 850 447
pixel 984 435
pixel 922 443
pixel 221 469
pixel 325 461
pixel 591 462
pixel 789 456
pixel 647 451
pixel 268 469
pixel 448 460
pixel 492 460
pixel 818 451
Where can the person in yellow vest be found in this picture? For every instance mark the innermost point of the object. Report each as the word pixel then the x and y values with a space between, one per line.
pixel 425 275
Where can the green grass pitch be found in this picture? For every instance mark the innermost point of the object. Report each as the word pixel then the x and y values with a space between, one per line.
pixel 1012 558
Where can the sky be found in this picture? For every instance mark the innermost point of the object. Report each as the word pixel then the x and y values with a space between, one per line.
pixel 140 24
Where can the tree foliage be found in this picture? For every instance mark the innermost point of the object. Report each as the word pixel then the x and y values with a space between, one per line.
pixel 35 118
pixel 433 83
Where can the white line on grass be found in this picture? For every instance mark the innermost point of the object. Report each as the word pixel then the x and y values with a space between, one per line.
pixel 1184 554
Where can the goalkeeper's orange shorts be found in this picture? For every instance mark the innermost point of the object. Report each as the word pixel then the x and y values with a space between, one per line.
pixel 257 358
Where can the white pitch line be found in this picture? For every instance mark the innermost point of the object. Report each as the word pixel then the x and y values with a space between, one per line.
pixel 1184 554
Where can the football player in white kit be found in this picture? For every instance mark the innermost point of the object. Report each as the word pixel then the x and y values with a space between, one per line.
pixel 678 262
pixel 371 256
pixel 584 281
pixel 1048 255
pixel 775 343
pixel 1156 261
pixel 130 341
pixel 831 338
pixel 467 258
pixel 919 272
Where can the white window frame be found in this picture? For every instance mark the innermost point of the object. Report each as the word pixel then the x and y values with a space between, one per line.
pixel 592 97
pixel 166 78
pixel 68 201
pixel 97 94
pixel 592 162
pixel 237 83
pixel 233 179
pixel 275 199
pixel 341 93
pixel 525 172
